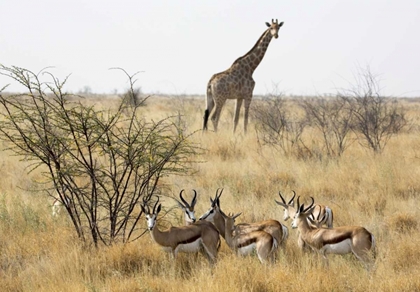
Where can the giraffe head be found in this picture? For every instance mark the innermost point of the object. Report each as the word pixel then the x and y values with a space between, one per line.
pixel 274 27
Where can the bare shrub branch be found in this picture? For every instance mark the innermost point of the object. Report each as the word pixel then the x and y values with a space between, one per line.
pixel 376 117
pixel 279 127
pixel 332 117
pixel 103 162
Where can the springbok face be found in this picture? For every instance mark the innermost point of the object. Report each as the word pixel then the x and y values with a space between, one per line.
pixel 151 216
pixel 274 27
pixel 230 221
pixel 189 213
pixel 215 204
pixel 289 208
pixel 302 213
pixel 151 221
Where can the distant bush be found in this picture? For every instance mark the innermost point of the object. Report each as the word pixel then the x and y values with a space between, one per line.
pixel 376 118
pixel 277 126
pixel 361 109
pixel 332 117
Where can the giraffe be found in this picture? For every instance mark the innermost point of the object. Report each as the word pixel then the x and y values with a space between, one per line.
pixel 237 82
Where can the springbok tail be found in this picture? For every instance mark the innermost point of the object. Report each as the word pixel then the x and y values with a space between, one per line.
pixel 330 218
pixel 374 248
pixel 285 233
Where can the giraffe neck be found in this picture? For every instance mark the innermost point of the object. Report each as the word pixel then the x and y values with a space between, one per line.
pixel 252 59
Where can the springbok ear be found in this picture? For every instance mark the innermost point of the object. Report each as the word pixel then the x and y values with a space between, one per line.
pixel 281 204
pixel 158 209
pixel 267 24
pixel 236 216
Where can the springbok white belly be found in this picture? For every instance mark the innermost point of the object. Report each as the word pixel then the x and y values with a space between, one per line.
pixel 190 247
pixel 246 250
pixel 342 247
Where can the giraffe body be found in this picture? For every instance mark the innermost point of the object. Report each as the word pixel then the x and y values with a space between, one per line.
pixel 237 82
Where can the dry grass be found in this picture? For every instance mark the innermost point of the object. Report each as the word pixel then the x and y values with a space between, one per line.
pixel 380 192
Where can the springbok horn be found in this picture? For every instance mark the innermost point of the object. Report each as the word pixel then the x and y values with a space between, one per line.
pixel 281 197
pixel 154 207
pixel 319 214
pixel 145 205
pixel 291 200
pixel 194 200
pixel 310 206
pixel 218 194
pixel 183 200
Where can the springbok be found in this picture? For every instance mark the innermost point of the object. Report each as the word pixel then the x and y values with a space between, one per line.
pixel 188 209
pixel 56 207
pixel 338 240
pixel 58 204
pixel 245 243
pixel 273 227
pixel 198 237
pixel 322 211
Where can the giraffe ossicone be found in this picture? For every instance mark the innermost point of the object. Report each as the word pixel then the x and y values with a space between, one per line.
pixel 237 82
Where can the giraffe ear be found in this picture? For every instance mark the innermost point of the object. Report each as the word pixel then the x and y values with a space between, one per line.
pixel 281 23
pixel 267 24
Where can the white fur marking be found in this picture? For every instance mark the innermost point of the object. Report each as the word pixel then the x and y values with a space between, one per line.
pixel 189 247
pixel 246 250
pixel 342 247
pixel 285 232
pixel 329 217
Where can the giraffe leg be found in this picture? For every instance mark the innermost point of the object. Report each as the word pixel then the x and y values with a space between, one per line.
pixel 216 115
pixel 246 105
pixel 237 111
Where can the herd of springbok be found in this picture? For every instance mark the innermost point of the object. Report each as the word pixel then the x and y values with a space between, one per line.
pixel 314 224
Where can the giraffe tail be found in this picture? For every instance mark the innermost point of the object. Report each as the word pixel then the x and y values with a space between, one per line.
pixel 209 106
pixel 206 118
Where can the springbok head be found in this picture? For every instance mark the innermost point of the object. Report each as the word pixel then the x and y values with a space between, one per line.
pixel 289 207
pixel 151 217
pixel 215 205
pixel 302 212
pixel 188 209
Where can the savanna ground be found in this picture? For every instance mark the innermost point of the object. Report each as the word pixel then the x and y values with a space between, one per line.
pixel 378 191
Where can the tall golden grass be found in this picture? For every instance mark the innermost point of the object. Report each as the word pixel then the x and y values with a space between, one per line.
pixel 379 192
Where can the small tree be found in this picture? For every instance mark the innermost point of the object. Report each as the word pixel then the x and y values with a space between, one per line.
pixel 333 119
pixel 376 117
pixel 277 126
pixel 103 162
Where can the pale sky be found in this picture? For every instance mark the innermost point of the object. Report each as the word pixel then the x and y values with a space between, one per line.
pixel 180 44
